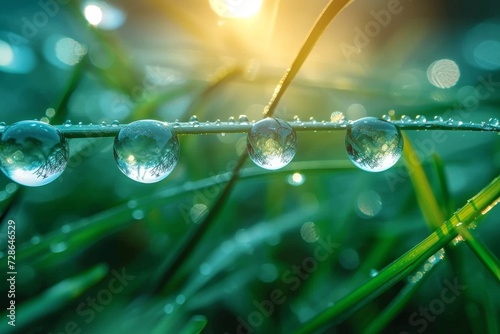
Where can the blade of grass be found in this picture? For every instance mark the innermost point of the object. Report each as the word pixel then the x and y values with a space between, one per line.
pixel 54 298
pixel 400 301
pixel 484 254
pixel 332 9
pixel 195 325
pixel 475 207
pixel 428 204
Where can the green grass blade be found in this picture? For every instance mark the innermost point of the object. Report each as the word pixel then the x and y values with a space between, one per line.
pixel 403 297
pixel 195 326
pixel 428 203
pixel 489 259
pixel 54 298
pixel 475 207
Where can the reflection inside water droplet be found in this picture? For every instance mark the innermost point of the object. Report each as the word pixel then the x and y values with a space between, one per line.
pixel 146 151
pixel 271 143
pixel 373 145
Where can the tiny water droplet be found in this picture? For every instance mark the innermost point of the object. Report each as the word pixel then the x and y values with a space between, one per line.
pixel 177 124
pixel 373 272
pixel 230 120
pixel 460 123
pixel 217 122
pixel 115 123
pixel 337 117
pixel 420 119
pixel 296 119
pixel 103 123
pixel 193 119
pixel 67 123
pixel 438 118
pixel 493 121
pixel 406 119
pixel 243 119
pixel 311 119
pixel 271 143
pixel 33 153
pixel 450 121
pixel 58 247
pixel 80 123
pixel 386 118
pixel 146 151
pixel 373 145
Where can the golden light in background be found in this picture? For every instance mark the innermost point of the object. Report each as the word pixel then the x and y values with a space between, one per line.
pixel 236 8
pixel 93 14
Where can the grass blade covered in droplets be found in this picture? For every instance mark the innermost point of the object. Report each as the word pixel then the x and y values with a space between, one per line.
pixel 479 205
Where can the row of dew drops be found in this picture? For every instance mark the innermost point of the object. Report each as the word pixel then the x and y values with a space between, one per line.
pixel 34 153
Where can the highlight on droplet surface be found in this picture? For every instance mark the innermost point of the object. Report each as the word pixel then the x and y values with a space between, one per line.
pixel 373 145
pixel 443 73
pixel 146 151
pixel 33 153
pixel 271 143
pixel 236 8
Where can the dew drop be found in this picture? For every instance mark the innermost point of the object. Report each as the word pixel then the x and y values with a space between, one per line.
pixel 296 119
pixel 67 123
pixel 2 125
pixel 243 119
pixel 493 122
pixel 146 151
pixel 115 123
pixel 373 145
pixel 193 120
pixel 337 117
pixel 271 143
pixel 438 118
pixel 312 120
pixel 406 119
pixel 420 119
pixel 373 272
pixel 103 123
pixel 80 123
pixel 33 153
pixel 217 122
pixel 177 124
pixel 230 120
pixel 386 118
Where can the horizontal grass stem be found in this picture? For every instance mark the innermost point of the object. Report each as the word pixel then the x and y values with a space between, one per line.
pixel 199 128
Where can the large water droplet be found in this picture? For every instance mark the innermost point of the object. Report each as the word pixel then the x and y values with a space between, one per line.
pixel 67 122
pixel 373 145
pixel 115 123
pixel 146 151
pixel 33 153
pixel 271 143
